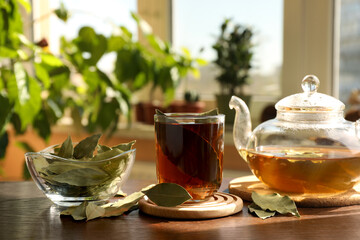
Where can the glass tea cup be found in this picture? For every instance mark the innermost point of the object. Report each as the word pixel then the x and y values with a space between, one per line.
pixel 190 149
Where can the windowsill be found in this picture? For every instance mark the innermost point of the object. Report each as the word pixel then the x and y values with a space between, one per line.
pixel 136 131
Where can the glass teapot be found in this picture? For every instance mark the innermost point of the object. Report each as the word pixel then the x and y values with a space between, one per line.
pixel 308 148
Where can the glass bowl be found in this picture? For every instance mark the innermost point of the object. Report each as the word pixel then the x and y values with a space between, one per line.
pixel 69 182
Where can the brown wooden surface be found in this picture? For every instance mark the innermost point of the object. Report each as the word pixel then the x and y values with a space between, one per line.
pixel 25 213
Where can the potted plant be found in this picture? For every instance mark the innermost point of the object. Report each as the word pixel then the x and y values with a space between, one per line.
pixel 157 65
pixel 190 104
pixel 234 54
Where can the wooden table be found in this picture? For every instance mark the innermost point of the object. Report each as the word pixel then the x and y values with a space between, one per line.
pixel 25 213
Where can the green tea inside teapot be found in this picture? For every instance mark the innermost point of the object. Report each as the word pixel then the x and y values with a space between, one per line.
pixel 308 148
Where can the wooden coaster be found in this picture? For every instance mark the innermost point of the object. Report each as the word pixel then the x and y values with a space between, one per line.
pixel 244 186
pixel 219 205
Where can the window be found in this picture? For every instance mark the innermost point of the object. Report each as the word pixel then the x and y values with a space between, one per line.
pixel 349 49
pixel 196 25
pixel 102 16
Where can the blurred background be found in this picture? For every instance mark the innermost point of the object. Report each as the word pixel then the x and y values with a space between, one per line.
pixel 79 67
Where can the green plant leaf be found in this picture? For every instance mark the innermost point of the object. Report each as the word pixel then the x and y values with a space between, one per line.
pixel 16 122
pixel 28 102
pixel 66 149
pixel 4 142
pixel 27 148
pixel 25 4
pixel 62 13
pixel 144 26
pixel 42 75
pixel 6 112
pixel 263 214
pixel 140 80
pixel 115 43
pixel 86 147
pixel 275 202
pixel 201 62
pixel 8 52
pixel 41 125
pixel 91 44
pixel 107 114
pixel 24 40
pixel 168 194
pixel 50 60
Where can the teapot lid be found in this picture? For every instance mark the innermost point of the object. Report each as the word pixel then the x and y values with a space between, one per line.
pixel 310 100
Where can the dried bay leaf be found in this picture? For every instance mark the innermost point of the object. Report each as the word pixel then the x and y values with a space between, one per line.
pixel 120 193
pixel 212 112
pixel 94 211
pixel 275 202
pixel 40 163
pixel 86 147
pixel 168 194
pixel 66 150
pixel 106 155
pixel 61 167
pixel 263 214
pixel 102 148
pixel 78 212
pixel 125 146
pixel 88 175
pixel 119 207
pixel 81 177
pixel 157 111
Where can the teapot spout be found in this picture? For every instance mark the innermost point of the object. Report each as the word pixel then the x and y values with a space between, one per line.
pixel 357 128
pixel 242 123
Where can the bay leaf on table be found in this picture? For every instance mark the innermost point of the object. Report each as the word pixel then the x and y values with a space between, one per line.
pixel 120 193
pixel 81 177
pixel 119 207
pixel 94 211
pixel 77 212
pixel 86 147
pixel 168 194
pixel 261 213
pixel 66 150
pixel 275 202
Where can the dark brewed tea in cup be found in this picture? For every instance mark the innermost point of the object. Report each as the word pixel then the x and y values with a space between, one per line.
pixel 190 152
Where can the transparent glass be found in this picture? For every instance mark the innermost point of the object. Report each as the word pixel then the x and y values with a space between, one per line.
pixel 190 150
pixel 111 174
pixel 308 148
